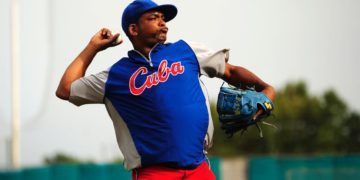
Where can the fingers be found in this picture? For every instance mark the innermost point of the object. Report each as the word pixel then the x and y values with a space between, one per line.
pixel 104 39
pixel 116 39
pixel 105 33
pixel 258 113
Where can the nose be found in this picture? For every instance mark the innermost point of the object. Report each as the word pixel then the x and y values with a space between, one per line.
pixel 162 22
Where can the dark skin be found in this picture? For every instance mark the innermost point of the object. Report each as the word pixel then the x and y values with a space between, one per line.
pixel 148 31
pixel 144 35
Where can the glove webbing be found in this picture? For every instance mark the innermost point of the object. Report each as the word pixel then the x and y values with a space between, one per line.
pixel 260 130
pixel 256 124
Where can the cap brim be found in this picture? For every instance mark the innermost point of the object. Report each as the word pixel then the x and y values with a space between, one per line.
pixel 170 11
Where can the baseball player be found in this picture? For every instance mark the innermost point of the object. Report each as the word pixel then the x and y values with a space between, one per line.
pixel 154 96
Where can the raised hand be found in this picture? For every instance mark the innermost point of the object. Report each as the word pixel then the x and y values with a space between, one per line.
pixel 105 39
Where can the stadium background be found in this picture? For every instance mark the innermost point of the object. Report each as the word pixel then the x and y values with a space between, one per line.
pixel 307 49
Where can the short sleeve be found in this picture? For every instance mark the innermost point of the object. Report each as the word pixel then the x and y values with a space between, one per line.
pixel 89 89
pixel 212 63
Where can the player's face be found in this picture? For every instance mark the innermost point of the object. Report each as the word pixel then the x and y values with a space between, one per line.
pixel 152 27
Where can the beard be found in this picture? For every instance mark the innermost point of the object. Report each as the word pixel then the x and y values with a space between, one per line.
pixel 157 36
pixel 161 37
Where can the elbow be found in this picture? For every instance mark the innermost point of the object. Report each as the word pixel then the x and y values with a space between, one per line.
pixel 228 74
pixel 63 93
pixel 271 93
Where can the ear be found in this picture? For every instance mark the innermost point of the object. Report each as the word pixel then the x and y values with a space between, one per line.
pixel 133 30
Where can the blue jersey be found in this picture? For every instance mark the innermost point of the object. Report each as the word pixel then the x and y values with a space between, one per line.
pixel 158 105
pixel 162 104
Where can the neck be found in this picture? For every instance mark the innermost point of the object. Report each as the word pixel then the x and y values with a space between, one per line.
pixel 144 49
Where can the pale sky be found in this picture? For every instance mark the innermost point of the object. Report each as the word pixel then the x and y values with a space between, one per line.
pixel 279 40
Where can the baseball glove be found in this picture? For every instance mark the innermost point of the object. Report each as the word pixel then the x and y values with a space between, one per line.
pixel 236 108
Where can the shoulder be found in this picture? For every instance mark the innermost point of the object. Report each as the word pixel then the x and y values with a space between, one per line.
pixel 119 62
pixel 196 47
pixel 175 43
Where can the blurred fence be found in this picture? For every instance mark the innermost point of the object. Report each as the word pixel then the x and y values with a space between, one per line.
pixel 81 172
pixel 258 168
pixel 304 168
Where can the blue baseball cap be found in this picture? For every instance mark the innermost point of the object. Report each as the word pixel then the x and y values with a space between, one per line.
pixel 134 10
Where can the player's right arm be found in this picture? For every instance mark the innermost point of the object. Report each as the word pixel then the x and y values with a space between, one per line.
pixel 100 41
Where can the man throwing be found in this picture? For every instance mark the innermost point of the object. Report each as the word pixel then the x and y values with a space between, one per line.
pixel 158 105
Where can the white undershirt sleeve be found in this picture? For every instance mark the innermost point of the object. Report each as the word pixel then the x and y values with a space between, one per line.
pixel 89 89
pixel 212 63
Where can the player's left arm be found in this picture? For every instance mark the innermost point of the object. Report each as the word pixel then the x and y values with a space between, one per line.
pixel 236 75
pixel 214 64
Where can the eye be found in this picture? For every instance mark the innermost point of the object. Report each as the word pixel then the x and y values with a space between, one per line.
pixel 152 18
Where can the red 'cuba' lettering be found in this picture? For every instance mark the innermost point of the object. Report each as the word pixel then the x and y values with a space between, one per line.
pixel 162 75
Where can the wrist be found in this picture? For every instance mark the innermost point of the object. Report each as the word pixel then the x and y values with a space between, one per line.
pixel 270 92
pixel 92 48
pixel 87 55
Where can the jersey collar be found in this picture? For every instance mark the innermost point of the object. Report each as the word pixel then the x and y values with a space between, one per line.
pixel 138 56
